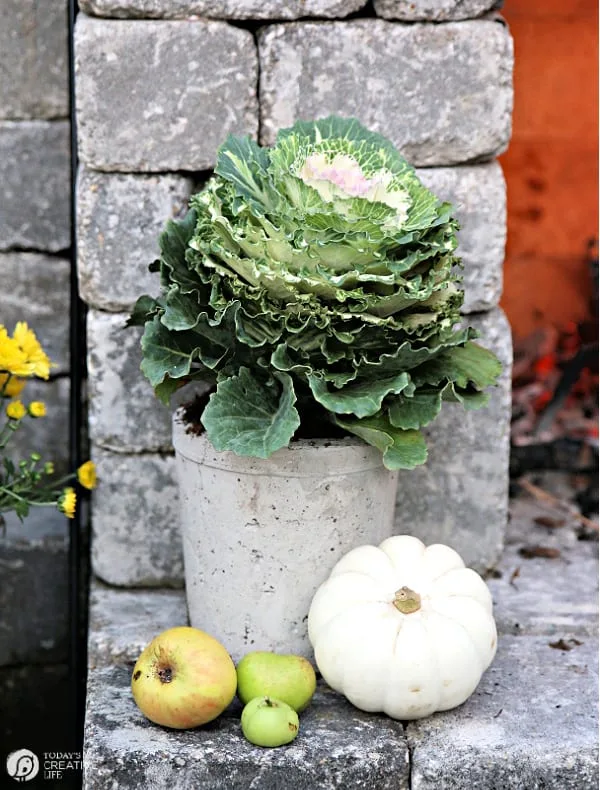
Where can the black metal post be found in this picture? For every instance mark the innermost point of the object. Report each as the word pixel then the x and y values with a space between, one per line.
pixel 77 534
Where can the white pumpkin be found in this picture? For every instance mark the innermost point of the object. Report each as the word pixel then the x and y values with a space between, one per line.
pixel 402 628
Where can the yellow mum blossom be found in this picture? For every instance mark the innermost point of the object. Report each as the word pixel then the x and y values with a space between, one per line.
pixel 86 474
pixel 12 359
pixel 10 386
pixel 15 410
pixel 68 502
pixel 28 343
pixel 37 409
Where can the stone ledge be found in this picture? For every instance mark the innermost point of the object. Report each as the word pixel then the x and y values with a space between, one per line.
pixel 500 738
pixel 337 747
pixel 453 107
pixel 532 723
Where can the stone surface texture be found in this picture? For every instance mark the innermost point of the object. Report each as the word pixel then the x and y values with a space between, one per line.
pixel 460 496
pixel 532 723
pixel 441 93
pixel 169 107
pixel 34 185
pixel 222 9
pixel 39 295
pixel 119 220
pixel 337 747
pixel 501 738
pixel 33 59
pixel 433 10
pixel 34 592
pixel 121 400
pixel 541 596
pixel 123 622
pixel 135 528
pixel 478 193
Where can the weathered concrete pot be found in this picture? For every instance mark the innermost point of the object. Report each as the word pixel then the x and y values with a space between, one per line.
pixel 259 536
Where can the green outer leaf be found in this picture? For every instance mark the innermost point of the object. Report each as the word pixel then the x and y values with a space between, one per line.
pixel 468 365
pixel 249 417
pixel 165 354
pixel 143 310
pixel 401 449
pixel 415 412
pixel 363 399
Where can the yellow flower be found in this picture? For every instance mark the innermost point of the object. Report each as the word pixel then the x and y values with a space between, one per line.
pixel 28 343
pixel 86 474
pixel 10 385
pixel 12 359
pixel 37 409
pixel 15 410
pixel 49 468
pixel 68 502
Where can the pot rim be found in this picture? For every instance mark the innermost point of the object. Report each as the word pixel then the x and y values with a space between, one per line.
pixel 303 458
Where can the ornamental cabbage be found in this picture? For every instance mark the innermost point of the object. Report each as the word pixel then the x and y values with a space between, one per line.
pixel 314 283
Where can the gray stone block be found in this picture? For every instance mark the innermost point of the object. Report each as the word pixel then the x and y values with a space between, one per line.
pixel 119 220
pixel 433 10
pixel 34 77
pixel 189 85
pixel 538 595
pixel 222 9
pixel 49 435
pixel 121 399
pixel 532 723
pixel 441 93
pixel 135 527
pixel 478 193
pixel 35 192
pixel 34 594
pixel 337 747
pixel 460 496
pixel 39 295
pixel 123 622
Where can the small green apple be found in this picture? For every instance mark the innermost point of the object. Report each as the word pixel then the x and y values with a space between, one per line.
pixel 267 721
pixel 183 678
pixel 288 678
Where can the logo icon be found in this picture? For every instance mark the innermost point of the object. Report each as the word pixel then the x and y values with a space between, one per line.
pixel 22 765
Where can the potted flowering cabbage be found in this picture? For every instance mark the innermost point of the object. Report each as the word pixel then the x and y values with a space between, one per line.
pixel 313 286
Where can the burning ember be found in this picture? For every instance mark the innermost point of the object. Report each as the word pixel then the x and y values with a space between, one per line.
pixel 555 405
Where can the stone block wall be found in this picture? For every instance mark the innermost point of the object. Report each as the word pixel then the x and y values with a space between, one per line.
pixel 159 85
pixel 35 239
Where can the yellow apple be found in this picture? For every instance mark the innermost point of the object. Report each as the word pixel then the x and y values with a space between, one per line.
pixel 183 678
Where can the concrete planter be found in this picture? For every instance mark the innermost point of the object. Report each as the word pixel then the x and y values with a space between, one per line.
pixel 259 536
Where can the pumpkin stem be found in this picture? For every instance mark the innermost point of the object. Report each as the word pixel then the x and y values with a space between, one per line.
pixel 406 600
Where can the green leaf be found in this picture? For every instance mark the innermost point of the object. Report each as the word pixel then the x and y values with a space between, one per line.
pixel 165 354
pixel 401 449
pixel 363 399
pixel 251 417
pixel 144 310
pixel 243 163
pixel 468 365
pixel 415 412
